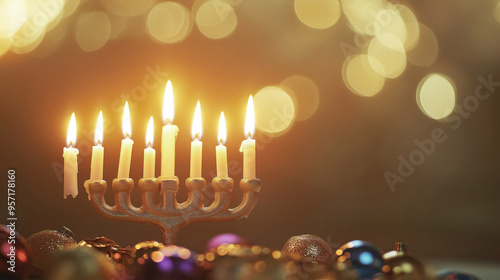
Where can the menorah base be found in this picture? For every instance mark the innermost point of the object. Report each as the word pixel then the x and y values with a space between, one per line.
pixel 160 206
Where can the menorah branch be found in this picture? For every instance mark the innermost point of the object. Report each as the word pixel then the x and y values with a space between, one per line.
pixel 160 207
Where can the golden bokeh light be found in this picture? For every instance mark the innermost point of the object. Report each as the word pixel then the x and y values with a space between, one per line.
pixel 411 24
pixel 319 14
pixel 215 19
pixel 169 22
pixel 52 40
pixel 306 94
pixel 426 51
pixel 496 12
pixel 13 14
pixel 387 56
pixel 5 44
pixel 362 14
pixel 436 96
pixel 93 30
pixel 24 44
pixel 31 33
pixel 70 7
pixel 388 21
pixel 274 111
pixel 118 25
pixel 128 8
pixel 360 77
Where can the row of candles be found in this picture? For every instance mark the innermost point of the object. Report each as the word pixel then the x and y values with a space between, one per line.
pixel 169 136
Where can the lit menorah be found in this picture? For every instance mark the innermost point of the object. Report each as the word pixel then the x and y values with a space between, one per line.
pixel 159 203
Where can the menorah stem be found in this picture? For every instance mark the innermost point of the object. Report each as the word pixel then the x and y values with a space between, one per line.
pixel 168 235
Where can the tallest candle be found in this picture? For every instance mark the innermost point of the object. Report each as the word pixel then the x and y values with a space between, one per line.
pixel 196 145
pixel 169 134
pixel 248 145
pixel 220 150
pixel 127 143
pixel 70 155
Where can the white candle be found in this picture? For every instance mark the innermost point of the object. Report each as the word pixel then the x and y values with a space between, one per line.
pixel 220 150
pixel 70 155
pixel 96 166
pixel 248 145
pixel 149 152
pixel 127 143
pixel 196 144
pixel 169 134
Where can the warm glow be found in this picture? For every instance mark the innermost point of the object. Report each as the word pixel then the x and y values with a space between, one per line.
pixel 168 104
pixel 436 96
pixel 150 133
pixel 222 129
pixel 98 136
pixel 250 119
pixel 71 137
pixel 126 126
pixel 196 129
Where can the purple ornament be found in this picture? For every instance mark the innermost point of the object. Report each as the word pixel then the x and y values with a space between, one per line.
pixel 225 238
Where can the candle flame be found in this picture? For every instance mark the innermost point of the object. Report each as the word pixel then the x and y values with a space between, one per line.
pixel 222 129
pixel 126 126
pixel 150 133
pixel 168 104
pixel 196 129
pixel 99 130
pixel 71 136
pixel 250 119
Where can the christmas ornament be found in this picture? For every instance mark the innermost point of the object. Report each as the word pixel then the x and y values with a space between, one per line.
pixel 362 256
pixel 309 247
pixel 82 263
pixel 15 254
pixel 46 243
pixel 448 274
pixel 169 262
pixel 107 246
pixel 225 239
pixel 399 265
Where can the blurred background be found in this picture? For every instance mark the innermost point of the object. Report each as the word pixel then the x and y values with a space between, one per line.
pixel 376 120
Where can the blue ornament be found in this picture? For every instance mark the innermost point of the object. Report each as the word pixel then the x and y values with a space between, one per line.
pixel 364 257
pixel 448 274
